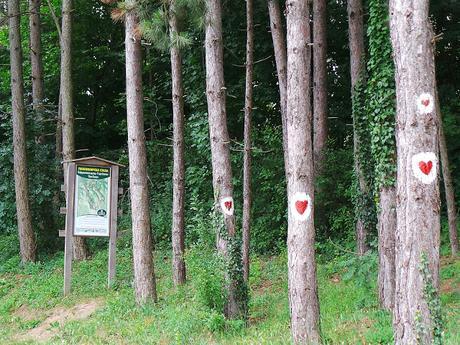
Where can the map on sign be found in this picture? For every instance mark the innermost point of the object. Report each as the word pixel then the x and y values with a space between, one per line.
pixel 92 201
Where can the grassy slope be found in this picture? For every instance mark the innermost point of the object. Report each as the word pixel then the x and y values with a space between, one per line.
pixel 349 313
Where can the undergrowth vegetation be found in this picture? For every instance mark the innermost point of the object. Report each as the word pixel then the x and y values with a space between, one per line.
pixel 193 314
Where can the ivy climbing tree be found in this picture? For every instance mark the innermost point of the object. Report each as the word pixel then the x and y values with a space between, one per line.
pixel 380 110
pixel 363 200
pixel 364 205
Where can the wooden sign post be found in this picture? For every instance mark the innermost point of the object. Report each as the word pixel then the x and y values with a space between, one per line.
pixel 92 191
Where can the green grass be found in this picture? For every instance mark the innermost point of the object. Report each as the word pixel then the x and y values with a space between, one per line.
pixel 349 310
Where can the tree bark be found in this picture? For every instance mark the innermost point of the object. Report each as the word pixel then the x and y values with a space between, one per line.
pixel 279 46
pixel 27 241
pixel 418 204
pixel 66 87
pixel 220 152
pixel 448 185
pixel 248 104
pixel 66 90
pixel 144 276
pixel 357 68
pixel 319 83
pixel 58 149
pixel 38 91
pixel 58 154
pixel 386 246
pixel 178 231
pixel 303 289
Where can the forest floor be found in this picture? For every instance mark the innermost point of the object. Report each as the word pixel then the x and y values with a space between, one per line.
pixel 33 310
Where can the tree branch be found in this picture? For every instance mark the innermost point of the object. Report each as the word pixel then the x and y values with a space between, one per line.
pixel 56 20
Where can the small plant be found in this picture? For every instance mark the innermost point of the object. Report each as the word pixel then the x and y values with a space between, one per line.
pixel 215 322
pixel 430 293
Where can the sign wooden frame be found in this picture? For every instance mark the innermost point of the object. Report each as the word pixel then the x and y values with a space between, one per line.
pixel 70 167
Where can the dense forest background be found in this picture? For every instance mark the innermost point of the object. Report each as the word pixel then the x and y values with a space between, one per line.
pixel 100 111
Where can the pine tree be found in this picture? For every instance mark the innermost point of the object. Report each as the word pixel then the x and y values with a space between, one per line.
pixel 417 312
pixel 279 46
pixel 227 241
pixel 303 289
pixel 319 83
pixel 248 101
pixel 178 227
pixel 67 107
pixel 38 89
pixel 144 273
pixel 27 240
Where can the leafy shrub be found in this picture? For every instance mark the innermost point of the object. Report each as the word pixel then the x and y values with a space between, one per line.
pixel 199 230
pixel 363 271
pixel 334 212
pixel 9 252
pixel 206 267
pixel 7 197
pixel 215 322
pixel 41 171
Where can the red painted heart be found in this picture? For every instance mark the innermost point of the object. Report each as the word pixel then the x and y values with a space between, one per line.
pixel 425 102
pixel 301 206
pixel 425 167
pixel 228 205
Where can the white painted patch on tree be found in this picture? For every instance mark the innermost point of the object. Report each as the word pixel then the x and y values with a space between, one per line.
pixel 301 206
pixel 425 103
pixel 227 205
pixel 425 166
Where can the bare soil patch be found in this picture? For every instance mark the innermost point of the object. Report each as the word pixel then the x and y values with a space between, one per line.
pixel 448 260
pixel 28 314
pixel 56 318
pixel 335 279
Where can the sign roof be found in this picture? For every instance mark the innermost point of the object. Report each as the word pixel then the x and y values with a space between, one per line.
pixel 93 160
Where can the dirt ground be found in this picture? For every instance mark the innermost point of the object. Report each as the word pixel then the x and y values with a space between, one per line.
pixel 53 318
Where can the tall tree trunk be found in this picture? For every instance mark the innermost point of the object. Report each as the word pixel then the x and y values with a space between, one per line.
pixel 58 154
pixel 26 234
pixel 279 46
pixel 319 83
pixel 66 90
pixel 220 152
pixel 303 289
pixel 416 318
pixel 448 185
pixel 38 91
pixel 386 246
pixel 144 276
pixel 450 196
pixel 357 68
pixel 58 148
pixel 248 103
pixel 178 232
